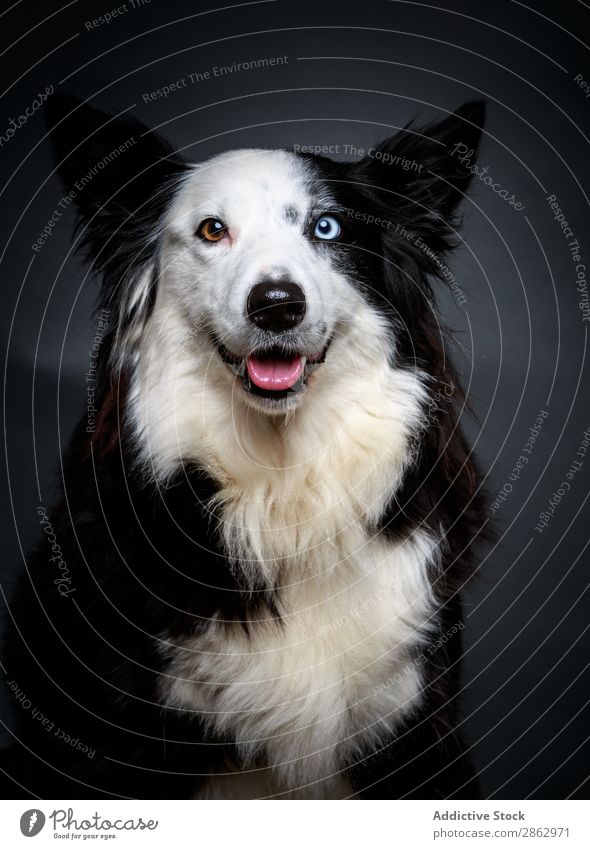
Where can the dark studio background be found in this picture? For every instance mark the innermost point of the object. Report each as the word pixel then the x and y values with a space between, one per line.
pixel 522 335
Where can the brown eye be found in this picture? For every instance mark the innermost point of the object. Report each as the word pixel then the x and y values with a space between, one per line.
pixel 211 230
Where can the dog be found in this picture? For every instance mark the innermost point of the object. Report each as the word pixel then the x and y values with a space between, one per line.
pixel 251 585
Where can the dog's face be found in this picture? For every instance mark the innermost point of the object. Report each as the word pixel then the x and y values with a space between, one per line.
pixel 271 273
pixel 253 254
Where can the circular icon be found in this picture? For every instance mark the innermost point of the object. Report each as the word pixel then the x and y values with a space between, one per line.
pixel 32 822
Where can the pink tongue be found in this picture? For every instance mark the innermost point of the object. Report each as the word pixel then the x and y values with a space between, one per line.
pixel 275 374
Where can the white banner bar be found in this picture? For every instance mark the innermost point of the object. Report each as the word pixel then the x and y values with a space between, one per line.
pixel 286 824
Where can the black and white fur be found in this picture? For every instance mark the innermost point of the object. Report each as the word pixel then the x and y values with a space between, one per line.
pixel 258 581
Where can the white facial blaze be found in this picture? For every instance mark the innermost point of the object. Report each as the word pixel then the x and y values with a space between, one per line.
pixel 264 198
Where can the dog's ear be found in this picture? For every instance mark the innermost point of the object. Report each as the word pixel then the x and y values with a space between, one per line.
pixel 421 167
pixel 117 173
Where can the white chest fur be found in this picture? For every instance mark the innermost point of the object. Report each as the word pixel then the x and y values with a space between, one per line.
pixel 299 698
pixel 307 695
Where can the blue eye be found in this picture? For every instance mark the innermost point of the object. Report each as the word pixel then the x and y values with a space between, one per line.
pixel 326 228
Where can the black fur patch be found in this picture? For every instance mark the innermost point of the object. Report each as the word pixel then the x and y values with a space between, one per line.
pixel 291 215
pixel 123 178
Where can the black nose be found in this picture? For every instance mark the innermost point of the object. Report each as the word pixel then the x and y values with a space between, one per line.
pixel 276 305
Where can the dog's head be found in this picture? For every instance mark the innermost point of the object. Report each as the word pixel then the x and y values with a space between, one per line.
pixel 272 273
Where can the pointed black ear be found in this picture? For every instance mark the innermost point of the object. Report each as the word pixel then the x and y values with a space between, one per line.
pixel 117 173
pixel 425 168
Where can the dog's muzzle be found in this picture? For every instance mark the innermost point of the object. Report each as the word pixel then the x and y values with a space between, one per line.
pixel 275 369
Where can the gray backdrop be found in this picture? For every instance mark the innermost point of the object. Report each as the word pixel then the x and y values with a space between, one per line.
pixel 353 73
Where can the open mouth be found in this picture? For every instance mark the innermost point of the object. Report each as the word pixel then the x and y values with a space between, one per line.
pixel 273 372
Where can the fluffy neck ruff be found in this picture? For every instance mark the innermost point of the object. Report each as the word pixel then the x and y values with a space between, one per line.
pixel 298 491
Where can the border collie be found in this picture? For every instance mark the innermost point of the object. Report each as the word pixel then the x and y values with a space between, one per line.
pixel 265 529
